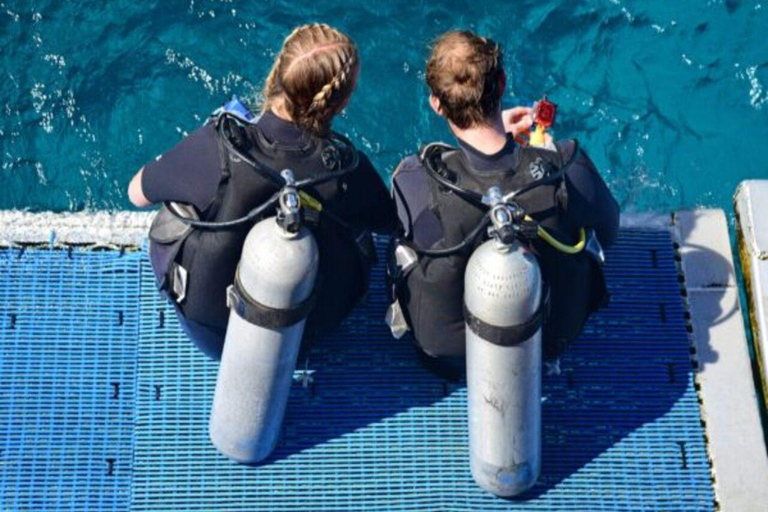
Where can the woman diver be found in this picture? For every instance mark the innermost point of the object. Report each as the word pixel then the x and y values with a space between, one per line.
pixel 214 181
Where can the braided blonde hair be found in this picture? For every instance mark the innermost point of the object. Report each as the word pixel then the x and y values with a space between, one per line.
pixel 313 76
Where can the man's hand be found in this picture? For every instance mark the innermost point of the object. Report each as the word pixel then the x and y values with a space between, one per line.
pixel 518 120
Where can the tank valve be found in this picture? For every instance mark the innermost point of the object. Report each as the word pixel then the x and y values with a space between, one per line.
pixel 505 218
pixel 289 213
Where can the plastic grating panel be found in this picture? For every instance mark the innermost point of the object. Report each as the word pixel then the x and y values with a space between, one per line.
pixel 68 335
pixel 369 429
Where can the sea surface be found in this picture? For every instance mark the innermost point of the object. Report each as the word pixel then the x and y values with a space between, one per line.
pixel 670 99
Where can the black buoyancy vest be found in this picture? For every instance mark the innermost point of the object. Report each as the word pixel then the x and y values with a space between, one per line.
pixel 210 256
pixel 432 292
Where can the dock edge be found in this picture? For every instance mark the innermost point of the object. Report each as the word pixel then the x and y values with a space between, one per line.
pixel 752 241
pixel 723 370
pixel 94 229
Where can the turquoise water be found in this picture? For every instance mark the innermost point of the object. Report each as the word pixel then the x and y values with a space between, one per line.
pixel 669 98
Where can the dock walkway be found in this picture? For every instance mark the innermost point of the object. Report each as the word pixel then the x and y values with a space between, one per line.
pixel 104 404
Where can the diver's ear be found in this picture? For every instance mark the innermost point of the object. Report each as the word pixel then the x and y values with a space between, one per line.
pixel 434 102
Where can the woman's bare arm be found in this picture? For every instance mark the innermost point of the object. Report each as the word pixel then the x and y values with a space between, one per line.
pixel 135 193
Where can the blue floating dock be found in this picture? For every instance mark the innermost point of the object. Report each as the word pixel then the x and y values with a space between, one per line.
pixel 104 404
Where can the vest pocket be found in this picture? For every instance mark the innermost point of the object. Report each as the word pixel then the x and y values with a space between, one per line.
pixel 166 237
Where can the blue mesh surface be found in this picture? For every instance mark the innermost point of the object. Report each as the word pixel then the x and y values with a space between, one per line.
pixel 368 429
pixel 104 404
pixel 68 339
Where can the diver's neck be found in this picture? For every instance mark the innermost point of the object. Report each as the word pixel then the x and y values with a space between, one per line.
pixel 486 138
pixel 278 108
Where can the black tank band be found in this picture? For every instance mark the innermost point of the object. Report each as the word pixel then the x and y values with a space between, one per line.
pixel 512 335
pixel 256 313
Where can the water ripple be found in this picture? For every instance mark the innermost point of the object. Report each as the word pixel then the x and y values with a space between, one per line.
pixel 668 97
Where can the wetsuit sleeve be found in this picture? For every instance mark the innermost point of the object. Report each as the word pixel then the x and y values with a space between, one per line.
pixel 412 200
pixel 188 173
pixel 590 201
pixel 406 194
pixel 378 211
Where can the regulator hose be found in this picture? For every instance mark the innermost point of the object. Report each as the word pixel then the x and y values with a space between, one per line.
pixel 275 179
pixel 201 224
pixel 476 199
pixel 557 244
pixel 467 242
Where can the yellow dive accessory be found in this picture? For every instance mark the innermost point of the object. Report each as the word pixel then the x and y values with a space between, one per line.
pixel 537 137
pixel 557 244
pixel 309 201
pixel 544 112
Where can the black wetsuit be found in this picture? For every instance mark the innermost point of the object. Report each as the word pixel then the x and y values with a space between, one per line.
pixel 439 328
pixel 191 173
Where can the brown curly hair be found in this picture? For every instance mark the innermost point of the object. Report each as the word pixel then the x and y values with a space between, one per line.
pixel 313 76
pixel 464 72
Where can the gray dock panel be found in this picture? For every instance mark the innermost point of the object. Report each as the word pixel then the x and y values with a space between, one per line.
pixel 724 375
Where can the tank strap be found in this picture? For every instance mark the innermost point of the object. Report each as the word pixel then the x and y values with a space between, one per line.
pixel 514 334
pixel 256 313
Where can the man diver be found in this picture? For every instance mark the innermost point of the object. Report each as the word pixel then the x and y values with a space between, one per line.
pixel 567 195
pixel 232 165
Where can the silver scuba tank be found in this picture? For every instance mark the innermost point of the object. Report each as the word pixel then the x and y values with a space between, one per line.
pixel 269 303
pixel 503 308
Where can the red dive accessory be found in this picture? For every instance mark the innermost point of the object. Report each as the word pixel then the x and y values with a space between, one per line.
pixel 544 112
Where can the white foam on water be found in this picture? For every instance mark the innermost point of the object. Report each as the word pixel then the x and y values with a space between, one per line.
pixel 757 96
pixel 55 59
pixel 39 100
pixel 40 173
pixel 14 16
pixel 226 85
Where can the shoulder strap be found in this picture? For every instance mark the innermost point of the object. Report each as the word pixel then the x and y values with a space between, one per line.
pixel 400 199
pixel 224 129
pixel 532 157
pixel 445 166
pixel 213 207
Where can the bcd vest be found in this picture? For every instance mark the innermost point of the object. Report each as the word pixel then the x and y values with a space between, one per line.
pixel 194 266
pixel 431 291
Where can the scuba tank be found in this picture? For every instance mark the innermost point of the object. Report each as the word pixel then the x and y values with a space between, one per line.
pixel 504 309
pixel 269 302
